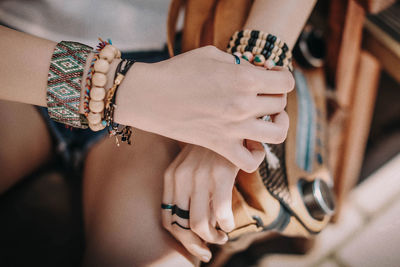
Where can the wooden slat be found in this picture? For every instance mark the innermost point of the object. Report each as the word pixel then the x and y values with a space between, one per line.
pixel 349 52
pixel 343 51
pixel 337 15
pixel 346 24
pixel 358 124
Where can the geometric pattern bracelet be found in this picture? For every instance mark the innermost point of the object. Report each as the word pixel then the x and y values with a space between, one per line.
pixel 64 83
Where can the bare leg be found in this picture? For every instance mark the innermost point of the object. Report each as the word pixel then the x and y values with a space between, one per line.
pixel 122 197
pixel 24 142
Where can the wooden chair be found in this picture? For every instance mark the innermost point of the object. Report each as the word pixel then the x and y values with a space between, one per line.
pixel 353 72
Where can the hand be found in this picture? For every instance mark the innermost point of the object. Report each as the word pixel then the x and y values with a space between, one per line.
pixel 201 182
pixel 202 97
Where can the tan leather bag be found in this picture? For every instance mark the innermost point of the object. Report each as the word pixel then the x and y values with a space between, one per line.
pixel 287 199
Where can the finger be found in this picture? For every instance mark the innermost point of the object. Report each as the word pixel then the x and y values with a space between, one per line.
pixel 213 219
pixel 178 227
pixel 223 56
pixel 182 192
pixel 222 197
pixel 168 189
pixel 242 157
pixel 269 104
pixel 200 212
pixel 230 59
pixel 274 132
pixel 270 81
pixel 191 242
pixel 274 81
pixel 183 179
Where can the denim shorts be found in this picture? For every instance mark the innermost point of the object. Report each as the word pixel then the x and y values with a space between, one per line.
pixel 73 144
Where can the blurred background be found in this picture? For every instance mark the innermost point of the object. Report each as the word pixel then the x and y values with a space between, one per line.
pixel 357 45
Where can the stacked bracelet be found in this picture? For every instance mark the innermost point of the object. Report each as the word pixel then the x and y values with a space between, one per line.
pixel 88 84
pixel 64 83
pixel 64 87
pixel 97 79
pixel 114 129
pixel 263 49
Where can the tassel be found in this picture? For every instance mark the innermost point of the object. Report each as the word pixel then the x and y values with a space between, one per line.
pixel 271 158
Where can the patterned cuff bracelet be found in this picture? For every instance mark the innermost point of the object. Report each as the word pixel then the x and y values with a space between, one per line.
pixel 64 83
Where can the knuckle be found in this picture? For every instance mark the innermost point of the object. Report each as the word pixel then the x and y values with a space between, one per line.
pixel 283 102
pixel 222 217
pixel 244 78
pixel 289 80
pixel 239 107
pixel 280 135
pixel 195 225
pixel 199 228
pixel 181 172
pixel 225 223
pixel 219 172
pixel 211 49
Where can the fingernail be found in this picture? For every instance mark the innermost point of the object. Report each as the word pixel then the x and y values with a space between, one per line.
pixel 205 258
pixel 225 239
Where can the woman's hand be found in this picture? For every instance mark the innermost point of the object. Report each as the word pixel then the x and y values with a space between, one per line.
pixel 200 181
pixel 201 97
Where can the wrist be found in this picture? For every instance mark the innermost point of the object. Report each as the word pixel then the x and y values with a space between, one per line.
pixel 126 111
pixel 110 78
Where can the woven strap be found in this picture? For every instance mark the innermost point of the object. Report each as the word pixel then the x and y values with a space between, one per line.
pixel 64 83
pixel 275 180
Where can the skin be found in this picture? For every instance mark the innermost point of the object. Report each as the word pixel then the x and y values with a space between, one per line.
pixel 123 187
pixel 200 180
pixel 191 102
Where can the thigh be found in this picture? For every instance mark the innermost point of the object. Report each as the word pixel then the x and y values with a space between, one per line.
pixel 122 197
pixel 24 142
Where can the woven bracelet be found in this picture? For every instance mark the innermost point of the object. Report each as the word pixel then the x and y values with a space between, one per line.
pixel 64 83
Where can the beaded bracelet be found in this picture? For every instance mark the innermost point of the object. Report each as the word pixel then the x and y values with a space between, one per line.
pixel 95 82
pixel 64 83
pixel 114 129
pixel 263 49
pixel 88 84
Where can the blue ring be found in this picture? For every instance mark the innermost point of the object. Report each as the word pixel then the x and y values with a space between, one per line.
pixel 167 206
pixel 237 59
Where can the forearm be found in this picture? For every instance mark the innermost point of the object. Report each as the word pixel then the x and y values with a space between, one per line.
pixel 285 18
pixel 25 61
pixel 25 67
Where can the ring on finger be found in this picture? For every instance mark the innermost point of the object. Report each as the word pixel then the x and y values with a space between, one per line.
pixel 167 206
pixel 184 214
pixel 237 59
pixel 181 213
pixel 180 225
